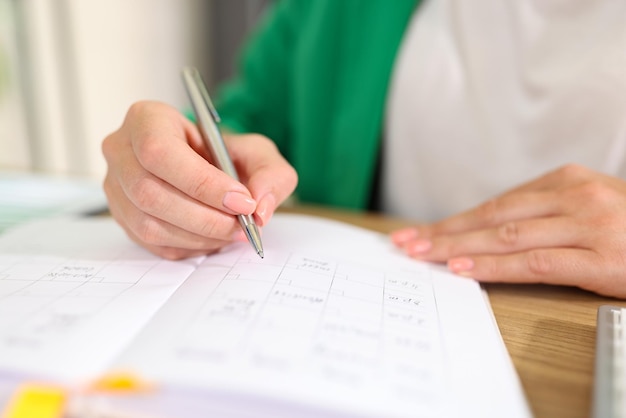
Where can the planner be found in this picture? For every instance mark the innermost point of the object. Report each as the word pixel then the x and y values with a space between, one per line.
pixel 334 321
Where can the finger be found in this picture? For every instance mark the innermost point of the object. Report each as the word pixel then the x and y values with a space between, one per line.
pixel 153 232
pixel 153 196
pixel 268 176
pixel 170 253
pixel 509 237
pixel 559 266
pixel 129 187
pixel 536 198
pixel 507 208
pixel 167 147
pixel 547 181
pixel 564 176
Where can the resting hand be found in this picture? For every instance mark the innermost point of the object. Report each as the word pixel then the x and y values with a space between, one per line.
pixel 164 192
pixel 567 227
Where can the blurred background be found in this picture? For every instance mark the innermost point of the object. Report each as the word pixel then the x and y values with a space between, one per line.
pixel 69 70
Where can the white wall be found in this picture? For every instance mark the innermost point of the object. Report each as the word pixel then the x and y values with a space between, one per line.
pixel 13 136
pixel 86 61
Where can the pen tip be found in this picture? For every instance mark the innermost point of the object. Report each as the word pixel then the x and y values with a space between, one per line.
pixel 261 254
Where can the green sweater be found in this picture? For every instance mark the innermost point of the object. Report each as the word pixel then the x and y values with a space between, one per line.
pixel 314 79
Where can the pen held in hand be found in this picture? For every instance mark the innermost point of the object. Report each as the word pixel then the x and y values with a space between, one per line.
pixel 207 120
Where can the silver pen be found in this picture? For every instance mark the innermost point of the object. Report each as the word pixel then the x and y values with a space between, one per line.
pixel 207 120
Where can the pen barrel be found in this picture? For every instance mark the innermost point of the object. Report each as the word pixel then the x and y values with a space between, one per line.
pixel 206 119
pixel 217 148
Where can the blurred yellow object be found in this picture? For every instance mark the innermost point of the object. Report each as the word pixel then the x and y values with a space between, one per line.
pixel 37 401
pixel 120 382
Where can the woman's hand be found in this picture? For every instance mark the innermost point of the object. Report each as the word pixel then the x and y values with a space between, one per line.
pixel 567 227
pixel 168 197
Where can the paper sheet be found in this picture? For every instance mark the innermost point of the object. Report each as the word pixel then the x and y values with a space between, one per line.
pixel 73 293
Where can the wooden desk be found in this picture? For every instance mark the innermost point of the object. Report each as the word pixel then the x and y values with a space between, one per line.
pixel 549 332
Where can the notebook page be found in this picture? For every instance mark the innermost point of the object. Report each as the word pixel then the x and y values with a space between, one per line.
pixel 73 292
pixel 333 320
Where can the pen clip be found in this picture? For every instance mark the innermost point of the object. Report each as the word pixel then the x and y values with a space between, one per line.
pixel 197 78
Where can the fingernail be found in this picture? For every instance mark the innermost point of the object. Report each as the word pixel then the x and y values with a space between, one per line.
pixel 418 247
pixel 402 236
pixel 265 208
pixel 461 265
pixel 239 203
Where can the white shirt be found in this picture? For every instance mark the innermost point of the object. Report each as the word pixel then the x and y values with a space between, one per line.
pixel 489 94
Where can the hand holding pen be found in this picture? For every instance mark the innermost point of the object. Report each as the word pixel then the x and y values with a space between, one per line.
pixel 207 119
pixel 166 191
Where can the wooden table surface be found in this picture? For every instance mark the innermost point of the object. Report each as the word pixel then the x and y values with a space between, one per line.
pixel 549 331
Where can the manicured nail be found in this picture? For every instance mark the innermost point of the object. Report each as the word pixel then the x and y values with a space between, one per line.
pixel 461 265
pixel 418 247
pixel 239 203
pixel 265 208
pixel 402 236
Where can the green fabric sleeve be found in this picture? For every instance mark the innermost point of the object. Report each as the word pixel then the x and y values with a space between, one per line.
pixel 314 79
pixel 257 100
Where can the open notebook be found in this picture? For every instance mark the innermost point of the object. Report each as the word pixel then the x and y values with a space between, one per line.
pixel 332 322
